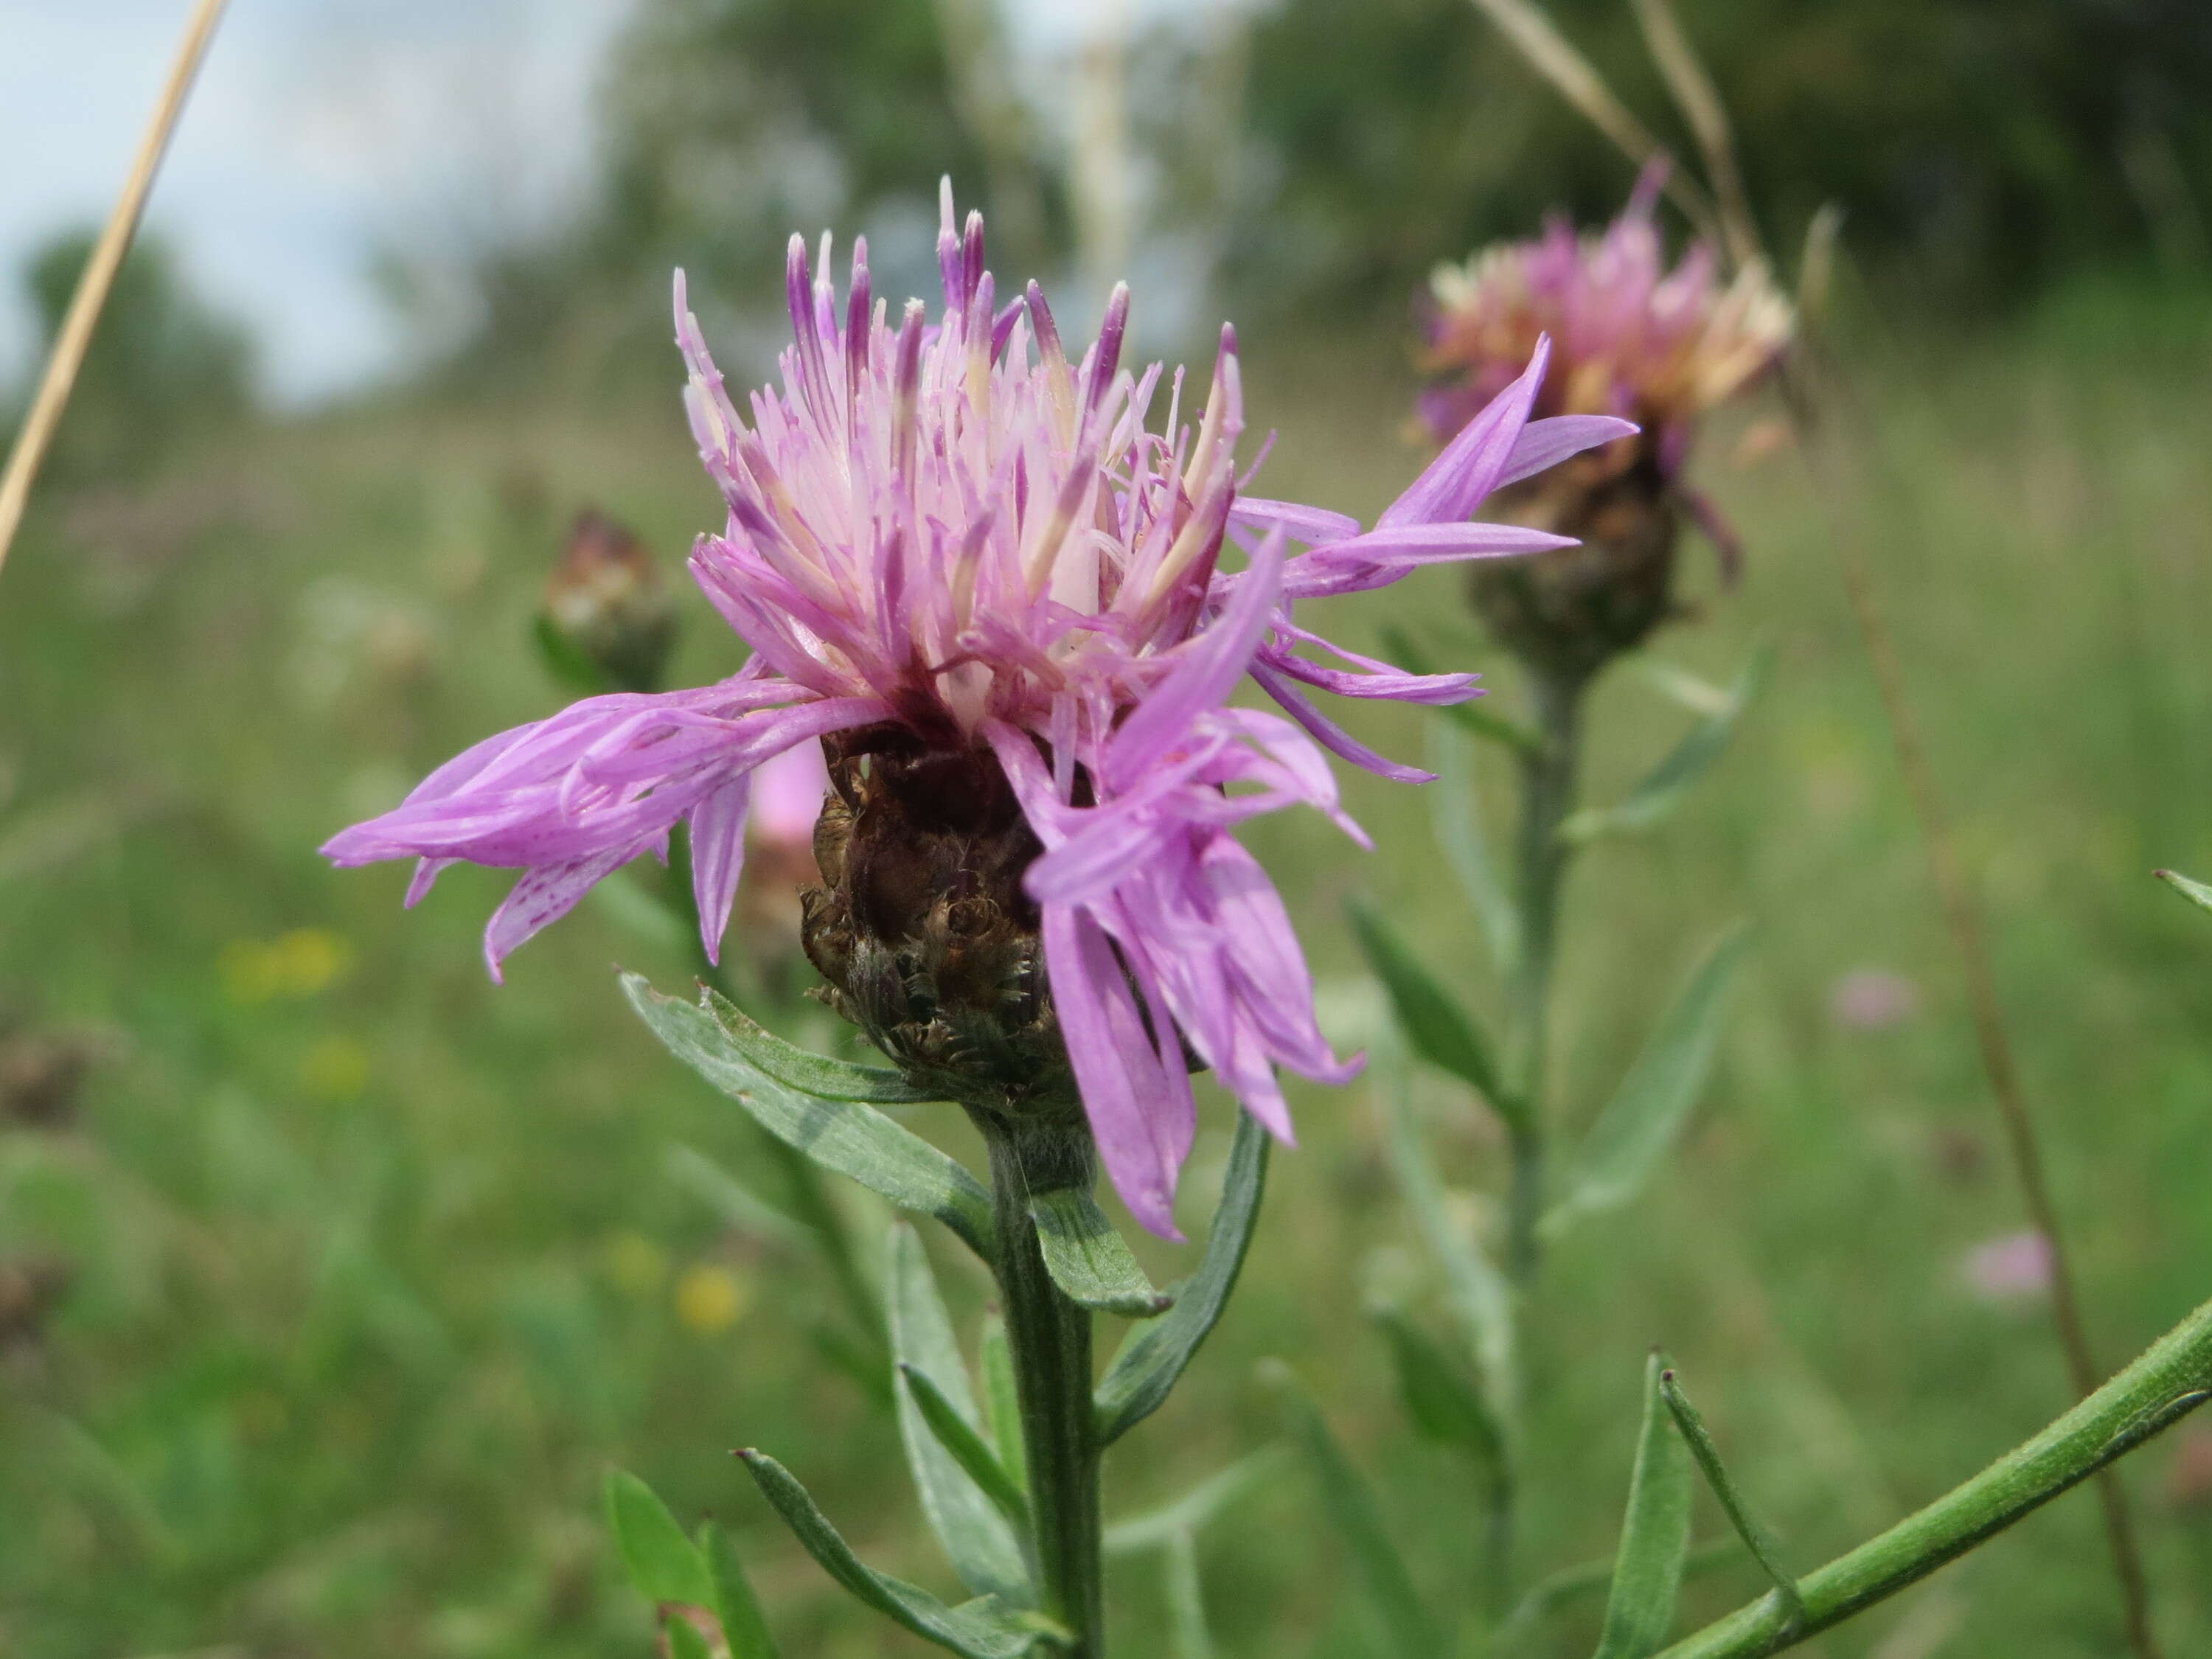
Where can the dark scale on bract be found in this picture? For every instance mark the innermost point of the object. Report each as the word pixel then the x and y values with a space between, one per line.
pixel 920 925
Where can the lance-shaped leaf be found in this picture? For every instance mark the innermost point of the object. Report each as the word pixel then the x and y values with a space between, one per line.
pixel 1570 1584
pixel 802 1069
pixel 1154 1353
pixel 1088 1259
pixel 1655 1535
pixel 1187 1601
pixel 1457 814
pixel 1662 787
pixel 684 1641
pixel 663 1564
pixel 966 1519
pixel 737 1204
pixel 1756 1538
pixel 743 1626
pixel 1350 1508
pixel 960 1438
pixel 1471 716
pixel 1190 1515
pixel 849 1137
pixel 1439 1029
pixel 986 1628
pixel 1442 1400
pixel 1002 1403
pixel 1478 1295
pixel 1646 1113
pixel 2195 891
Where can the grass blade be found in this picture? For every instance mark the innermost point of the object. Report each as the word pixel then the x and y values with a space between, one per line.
pixel 986 1628
pixel 848 1137
pixel 2195 891
pixel 1155 1353
pixel 737 1204
pixel 1457 813
pixel 743 1626
pixel 1088 1259
pixel 1350 1506
pixel 802 1069
pixel 967 1518
pixel 1191 1513
pixel 1439 1030
pixel 1655 1535
pixel 1646 1113
pixel 1662 788
pixel 663 1564
pixel 1756 1538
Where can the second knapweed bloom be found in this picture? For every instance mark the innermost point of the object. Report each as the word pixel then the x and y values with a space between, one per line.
pixel 1632 337
pixel 976 570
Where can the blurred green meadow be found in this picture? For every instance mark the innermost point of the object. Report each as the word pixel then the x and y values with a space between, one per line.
pixel 340 1275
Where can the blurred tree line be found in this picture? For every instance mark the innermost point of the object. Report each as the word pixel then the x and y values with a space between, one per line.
pixel 1320 157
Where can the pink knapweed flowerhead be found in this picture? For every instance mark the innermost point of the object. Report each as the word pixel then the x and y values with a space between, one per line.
pixel 990 576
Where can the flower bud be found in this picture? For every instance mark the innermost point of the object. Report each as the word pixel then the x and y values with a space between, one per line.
pixel 607 615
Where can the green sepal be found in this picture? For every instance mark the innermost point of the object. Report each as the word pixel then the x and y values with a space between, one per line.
pixel 2195 891
pixel 1648 1111
pixel 1154 1353
pixel 968 1447
pixel 1661 789
pixel 1654 1534
pixel 1188 1515
pixel 1088 1260
pixel 984 1550
pixel 986 1628
pixel 1439 1029
pixel 1443 1401
pixel 802 1069
pixel 1349 1504
pixel 744 1626
pixel 846 1136
pixel 664 1565
pixel 1756 1538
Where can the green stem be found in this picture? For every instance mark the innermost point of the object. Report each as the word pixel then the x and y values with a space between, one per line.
pixel 2169 1381
pixel 1049 1339
pixel 1548 773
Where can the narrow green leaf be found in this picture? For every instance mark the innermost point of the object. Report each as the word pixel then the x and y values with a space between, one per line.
pixel 568 663
pixel 959 1437
pixel 744 1626
pixel 1456 808
pixel 684 1641
pixel 1547 1595
pixel 853 1139
pixel 1002 1403
pixel 1478 1295
pixel 1088 1259
pixel 2195 891
pixel 1647 1113
pixel 1655 1535
pixel 662 1564
pixel 984 1550
pixel 1443 1401
pixel 1470 716
pixel 1154 1353
pixel 1756 1538
pixel 1351 1507
pixel 1695 692
pixel 731 1199
pixel 1191 1513
pixel 986 1628
pixel 1662 787
pixel 866 1361
pixel 802 1069
pixel 1187 1601
pixel 1440 1031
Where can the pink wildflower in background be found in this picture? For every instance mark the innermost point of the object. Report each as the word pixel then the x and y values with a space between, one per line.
pixel 975 565
pixel 1869 999
pixel 2015 1267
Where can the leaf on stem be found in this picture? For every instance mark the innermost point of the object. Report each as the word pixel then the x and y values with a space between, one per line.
pixel 1443 1401
pixel 1351 1507
pixel 2195 891
pixel 1647 1112
pixel 1187 1601
pixel 967 1518
pixel 802 1069
pixel 1570 1584
pixel 1002 1404
pixel 1088 1259
pixel 1440 1031
pixel 1154 1353
pixel 1756 1538
pixel 735 1605
pixel 1457 814
pixel 1191 1512
pixel 1655 1535
pixel 1664 787
pixel 961 1439
pixel 986 1628
pixel 848 1137
pixel 1477 1291
pixel 662 1563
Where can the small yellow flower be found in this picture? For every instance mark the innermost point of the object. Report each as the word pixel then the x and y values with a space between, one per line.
pixel 710 1298
pixel 302 963
pixel 336 1067
pixel 636 1263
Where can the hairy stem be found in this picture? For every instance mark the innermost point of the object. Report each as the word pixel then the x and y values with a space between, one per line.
pixel 1049 1339
pixel 2169 1381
